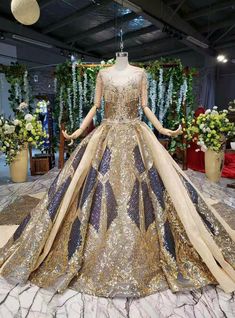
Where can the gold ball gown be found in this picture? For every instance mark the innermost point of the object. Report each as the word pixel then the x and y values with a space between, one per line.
pixel 121 218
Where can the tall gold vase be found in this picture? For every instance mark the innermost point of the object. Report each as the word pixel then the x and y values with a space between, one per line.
pixel 214 162
pixel 19 167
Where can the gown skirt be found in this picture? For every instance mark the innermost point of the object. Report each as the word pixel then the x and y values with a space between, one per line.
pixel 121 219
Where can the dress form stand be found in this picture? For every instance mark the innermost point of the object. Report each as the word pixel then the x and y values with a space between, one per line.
pixel 121 61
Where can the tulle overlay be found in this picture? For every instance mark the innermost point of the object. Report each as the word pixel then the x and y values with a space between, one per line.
pixel 121 219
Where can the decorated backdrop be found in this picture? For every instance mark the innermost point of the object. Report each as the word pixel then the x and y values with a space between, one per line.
pixel 170 92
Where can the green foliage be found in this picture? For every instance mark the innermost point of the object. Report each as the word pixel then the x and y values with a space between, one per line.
pixel 14 74
pixel 24 128
pixel 210 130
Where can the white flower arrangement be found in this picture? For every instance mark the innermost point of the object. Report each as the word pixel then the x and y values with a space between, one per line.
pixel 26 128
pixel 210 130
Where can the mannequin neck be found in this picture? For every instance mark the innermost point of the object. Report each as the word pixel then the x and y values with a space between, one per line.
pixel 121 62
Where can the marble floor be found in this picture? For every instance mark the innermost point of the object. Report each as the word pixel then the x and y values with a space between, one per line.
pixel 31 301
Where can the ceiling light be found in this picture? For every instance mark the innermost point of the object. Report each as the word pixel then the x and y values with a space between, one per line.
pixel 128 4
pixel 197 42
pixel 220 58
pixel 31 41
pixel 25 11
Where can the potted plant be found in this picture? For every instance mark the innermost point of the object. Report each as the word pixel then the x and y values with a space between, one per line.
pixel 15 135
pixel 210 131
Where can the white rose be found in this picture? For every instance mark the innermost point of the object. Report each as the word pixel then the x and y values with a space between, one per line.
pixel 8 129
pixel 22 106
pixel 6 126
pixel 202 126
pixel 225 111
pixel 29 126
pixel 207 111
pixel 16 122
pixel 215 107
pixel 0 122
pixel 214 112
pixel 28 117
pixel 102 62
pixel 208 129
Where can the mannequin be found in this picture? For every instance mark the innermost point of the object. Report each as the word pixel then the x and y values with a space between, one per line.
pixel 121 70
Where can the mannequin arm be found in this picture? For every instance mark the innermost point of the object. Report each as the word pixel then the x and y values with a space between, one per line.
pixel 150 115
pixel 88 119
pixel 156 123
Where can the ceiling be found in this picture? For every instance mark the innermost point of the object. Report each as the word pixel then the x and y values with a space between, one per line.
pixel 91 28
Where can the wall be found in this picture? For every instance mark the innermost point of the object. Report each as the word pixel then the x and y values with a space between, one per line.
pixel 6 52
pixel 225 85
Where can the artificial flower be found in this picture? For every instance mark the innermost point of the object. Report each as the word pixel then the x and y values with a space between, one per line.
pixel 28 117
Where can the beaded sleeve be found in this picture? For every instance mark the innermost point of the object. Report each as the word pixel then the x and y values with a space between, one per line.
pixel 98 90
pixel 144 90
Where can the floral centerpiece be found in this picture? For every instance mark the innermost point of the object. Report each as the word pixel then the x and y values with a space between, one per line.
pixel 16 134
pixel 24 128
pixel 210 131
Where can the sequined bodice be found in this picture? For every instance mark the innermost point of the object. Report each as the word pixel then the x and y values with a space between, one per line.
pixel 121 98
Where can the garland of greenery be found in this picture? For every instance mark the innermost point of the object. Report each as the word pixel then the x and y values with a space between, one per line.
pixel 17 76
pixel 170 86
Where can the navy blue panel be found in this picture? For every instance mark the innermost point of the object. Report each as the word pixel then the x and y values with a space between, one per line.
pixel 133 209
pixel 157 185
pixel 111 204
pixel 96 206
pixel 57 198
pixel 192 192
pixel 21 227
pixel 169 240
pixel 204 219
pixel 75 238
pixel 105 161
pixel 138 160
pixel 78 157
pixel 52 189
pixel 89 185
pixel 148 206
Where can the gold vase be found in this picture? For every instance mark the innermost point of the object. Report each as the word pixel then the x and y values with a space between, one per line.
pixel 214 162
pixel 19 166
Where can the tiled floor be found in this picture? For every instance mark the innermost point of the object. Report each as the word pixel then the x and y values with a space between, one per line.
pixel 31 301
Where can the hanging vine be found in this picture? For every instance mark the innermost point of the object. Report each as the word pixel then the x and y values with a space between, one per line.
pixel 169 87
pixel 19 91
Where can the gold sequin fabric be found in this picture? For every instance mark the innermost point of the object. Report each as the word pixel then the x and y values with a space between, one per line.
pixel 121 234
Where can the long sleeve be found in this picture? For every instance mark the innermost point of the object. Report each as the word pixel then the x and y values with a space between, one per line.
pixel 98 90
pixel 144 90
pixel 144 103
